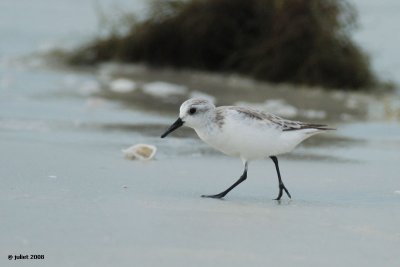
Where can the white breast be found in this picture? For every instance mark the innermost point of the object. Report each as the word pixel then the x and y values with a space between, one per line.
pixel 250 138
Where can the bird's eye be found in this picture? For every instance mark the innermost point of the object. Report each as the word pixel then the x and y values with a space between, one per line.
pixel 192 110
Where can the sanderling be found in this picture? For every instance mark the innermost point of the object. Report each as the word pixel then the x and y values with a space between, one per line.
pixel 244 132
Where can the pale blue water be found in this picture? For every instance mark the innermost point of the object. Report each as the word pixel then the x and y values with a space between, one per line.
pixel 378 26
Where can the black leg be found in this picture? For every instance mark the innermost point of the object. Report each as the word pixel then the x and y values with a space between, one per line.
pixel 241 179
pixel 281 185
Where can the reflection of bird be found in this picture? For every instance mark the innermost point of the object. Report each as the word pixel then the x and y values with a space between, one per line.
pixel 244 132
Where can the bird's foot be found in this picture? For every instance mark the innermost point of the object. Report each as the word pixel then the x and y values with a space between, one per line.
pixel 219 196
pixel 281 188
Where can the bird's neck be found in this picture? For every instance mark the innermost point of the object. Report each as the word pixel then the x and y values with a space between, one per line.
pixel 207 126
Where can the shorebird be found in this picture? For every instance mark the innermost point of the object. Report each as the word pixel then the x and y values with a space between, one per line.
pixel 245 133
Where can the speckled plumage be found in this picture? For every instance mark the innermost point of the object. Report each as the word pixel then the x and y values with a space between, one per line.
pixel 244 132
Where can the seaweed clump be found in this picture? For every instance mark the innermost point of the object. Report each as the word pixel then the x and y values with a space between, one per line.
pixel 295 41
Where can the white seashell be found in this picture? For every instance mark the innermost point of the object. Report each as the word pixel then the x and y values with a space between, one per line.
pixel 140 152
pixel 122 85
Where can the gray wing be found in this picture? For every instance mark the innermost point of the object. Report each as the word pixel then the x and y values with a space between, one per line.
pixel 283 124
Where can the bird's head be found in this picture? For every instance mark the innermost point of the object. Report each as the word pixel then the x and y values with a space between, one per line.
pixel 192 113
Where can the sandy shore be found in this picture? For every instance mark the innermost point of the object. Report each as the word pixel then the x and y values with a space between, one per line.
pixel 84 205
pixel 67 192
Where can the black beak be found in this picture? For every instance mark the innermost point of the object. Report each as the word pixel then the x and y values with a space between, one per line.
pixel 178 123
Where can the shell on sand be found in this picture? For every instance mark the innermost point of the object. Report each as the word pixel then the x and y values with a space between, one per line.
pixel 140 152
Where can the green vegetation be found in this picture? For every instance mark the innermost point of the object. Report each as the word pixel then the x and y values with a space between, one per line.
pixel 296 41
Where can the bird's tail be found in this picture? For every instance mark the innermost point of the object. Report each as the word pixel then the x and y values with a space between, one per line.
pixel 321 127
pixel 313 129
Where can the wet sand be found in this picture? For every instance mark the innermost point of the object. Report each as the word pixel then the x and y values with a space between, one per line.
pixel 82 204
pixel 68 193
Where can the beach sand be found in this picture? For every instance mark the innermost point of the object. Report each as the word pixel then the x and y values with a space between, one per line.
pixel 82 204
pixel 68 193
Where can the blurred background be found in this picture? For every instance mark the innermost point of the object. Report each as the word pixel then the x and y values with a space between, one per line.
pixel 81 80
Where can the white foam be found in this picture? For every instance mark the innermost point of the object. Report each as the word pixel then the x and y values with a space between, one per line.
pixel 163 89
pixel 122 85
pixel 313 114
